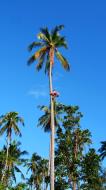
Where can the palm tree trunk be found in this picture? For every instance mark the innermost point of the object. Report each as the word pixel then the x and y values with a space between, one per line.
pixel 74 185
pixel 49 155
pixel 7 153
pixel 75 145
pixel 52 122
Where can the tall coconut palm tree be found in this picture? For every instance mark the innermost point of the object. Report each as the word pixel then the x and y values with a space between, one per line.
pixel 9 123
pixel 48 44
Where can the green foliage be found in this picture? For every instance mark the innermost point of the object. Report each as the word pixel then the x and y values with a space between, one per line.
pixel 90 170
pixel 103 179
pixel 102 150
pixel 70 143
pixel 45 120
pixel 9 122
pixel 48 40
pixel 73 168
pixel 39 171
pixel 20 186
pixel 15 160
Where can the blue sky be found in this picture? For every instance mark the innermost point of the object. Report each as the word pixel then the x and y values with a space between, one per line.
pixel 22 88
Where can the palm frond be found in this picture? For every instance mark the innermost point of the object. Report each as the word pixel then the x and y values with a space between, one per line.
pixel 47 65
pixel 21 120
pixel 40 62
pixel 63 60
pixel 56 30
pixel 13 175
pixel 24 153
pixel 29 168
pixel 61 42
pixel 45 31
pixel 34 45
pixel 3 129
pixel 3 120
pixel 45 121
pixel 103 155
pixel 37 54
pixel 44 108
pixel 19 171
pixel 17 130
pixel 102 150
pixel 43 37
pixel 31 59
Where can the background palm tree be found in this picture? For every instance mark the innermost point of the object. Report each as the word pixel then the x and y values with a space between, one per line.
pixel 45 120
pixel 2 162
pixel 32 166
pixel 15 160
pixel 20 186
pixel 70 142
pixel 48 44
pixel 9 123
pixel 39 172
pixel 91 167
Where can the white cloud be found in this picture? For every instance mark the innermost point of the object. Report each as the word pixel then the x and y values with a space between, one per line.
pixel 39 92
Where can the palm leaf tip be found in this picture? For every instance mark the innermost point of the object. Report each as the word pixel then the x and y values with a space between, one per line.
pixel 57 29
pixel 45 31
pixel 43 37
pixel 40 62
pixel 34 45
pixel 31 60
pixel 63 60
pixel 60 27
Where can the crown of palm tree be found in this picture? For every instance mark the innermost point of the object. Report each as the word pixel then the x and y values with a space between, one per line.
pixel 10 122
pixel 32 164
pixel 15 160
pixel 48 40
pixel 38 168
pixel 45 119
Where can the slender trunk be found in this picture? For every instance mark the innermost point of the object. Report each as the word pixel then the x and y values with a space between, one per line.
pixel 51 54
pixel 49 156
pixel 75 145
pixel 7 153
pixel 74 185
pixel 75 156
